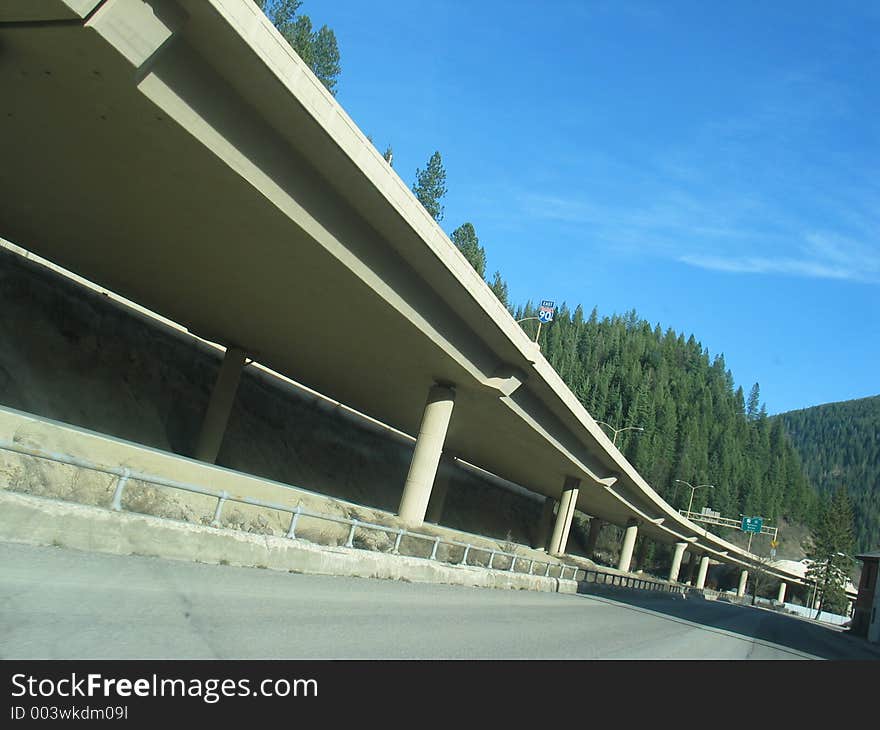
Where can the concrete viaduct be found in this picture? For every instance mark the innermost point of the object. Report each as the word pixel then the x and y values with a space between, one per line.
pixel 180 153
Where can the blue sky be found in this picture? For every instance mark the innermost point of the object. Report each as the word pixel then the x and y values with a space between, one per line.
pixel 712 165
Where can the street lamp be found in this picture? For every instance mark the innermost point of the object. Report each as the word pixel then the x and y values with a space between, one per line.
pixel 540 322
pixel 694 489
pixel 619 430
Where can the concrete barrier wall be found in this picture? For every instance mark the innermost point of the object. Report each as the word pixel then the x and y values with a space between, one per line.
pixel 45 478
pixel 38 521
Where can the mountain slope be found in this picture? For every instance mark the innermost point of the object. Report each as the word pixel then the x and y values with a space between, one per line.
pixel 839 443
pixel 694 424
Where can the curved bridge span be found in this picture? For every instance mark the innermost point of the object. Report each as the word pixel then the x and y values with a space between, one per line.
pixel 180 153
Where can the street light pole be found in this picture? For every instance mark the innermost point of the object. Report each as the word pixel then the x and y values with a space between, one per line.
pixel 694 489
pixel 619 430
pixel 540 322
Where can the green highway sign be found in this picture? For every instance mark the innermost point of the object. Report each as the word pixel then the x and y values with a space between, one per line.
pixel 752 524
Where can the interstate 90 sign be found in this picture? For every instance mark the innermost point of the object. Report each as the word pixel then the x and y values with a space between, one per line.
pixel 545 313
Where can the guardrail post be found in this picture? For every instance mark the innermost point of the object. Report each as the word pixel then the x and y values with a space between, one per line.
pixel 350 543
pixel 491 559
pixel 120 485
pixel 547 572
pixel 434 551
pixel 291 532
pixel 396 550
pixel 467 549
pixel 221 500
pixel 531 565
pixel 512 563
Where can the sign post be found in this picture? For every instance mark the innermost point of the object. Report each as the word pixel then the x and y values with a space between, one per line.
pixel 545 315
pixel 752 525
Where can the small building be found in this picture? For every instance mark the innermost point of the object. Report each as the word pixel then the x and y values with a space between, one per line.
pixel 866 622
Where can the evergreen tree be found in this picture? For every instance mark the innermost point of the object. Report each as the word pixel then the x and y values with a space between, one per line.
pixel 754 405
pixel 499 287
pixel 465 239
pixel 430 186
pixel 325 58
pixel 830 551
pixel 318 49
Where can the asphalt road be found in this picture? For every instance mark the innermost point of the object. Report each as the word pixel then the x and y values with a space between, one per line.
pixel 63 604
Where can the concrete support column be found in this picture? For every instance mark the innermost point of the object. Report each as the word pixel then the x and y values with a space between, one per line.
pixel 704 570
pixel 542 535
pixel 692 567
pixel 564 515
pixel 438 500
pixel 220 405
pixel 680 547
pixel 596 526
pixel 629 542
pixel 438 494
pixel 781 597
pixel 426 457
pixel 743 580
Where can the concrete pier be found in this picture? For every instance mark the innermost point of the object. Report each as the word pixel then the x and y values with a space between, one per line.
pixel 564 515
pixel 596 526
pixel 426 456
pixel 743 582
pixel 220 405
pixel 437 501
pixel 704 570
pixel 629 543
pixel 675 569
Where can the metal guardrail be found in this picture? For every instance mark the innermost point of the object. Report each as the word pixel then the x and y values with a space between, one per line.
pixel 629 581
pixel 124 475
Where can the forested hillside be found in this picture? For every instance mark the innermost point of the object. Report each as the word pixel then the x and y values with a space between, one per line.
pixel 839 445
pixel 697 426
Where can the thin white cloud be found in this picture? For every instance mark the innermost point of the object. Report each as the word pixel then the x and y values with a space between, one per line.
pixel 760 265
pixel 713 235
pixel 843 251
